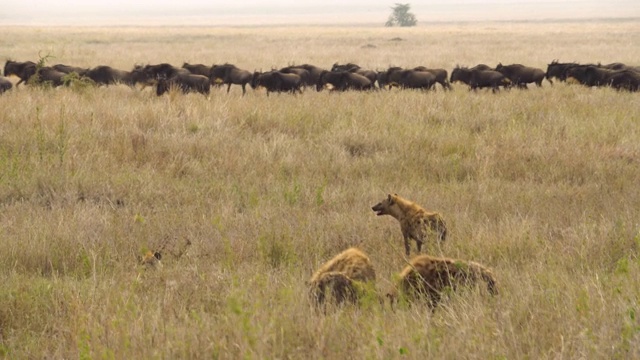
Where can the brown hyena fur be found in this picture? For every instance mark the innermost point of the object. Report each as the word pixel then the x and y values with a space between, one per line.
pixel 428 277
pixel 415 222
pixel 151 260
pixel 342 278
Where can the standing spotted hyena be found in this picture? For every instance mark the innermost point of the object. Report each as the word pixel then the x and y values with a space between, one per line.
pixel 342 277
pixel 427 277
pixel 416 223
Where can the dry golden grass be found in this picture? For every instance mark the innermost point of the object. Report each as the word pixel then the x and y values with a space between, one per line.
pixel 540 185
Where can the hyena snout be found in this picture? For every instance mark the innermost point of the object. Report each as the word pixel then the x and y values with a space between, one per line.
pixel 380 209
pixel 383 207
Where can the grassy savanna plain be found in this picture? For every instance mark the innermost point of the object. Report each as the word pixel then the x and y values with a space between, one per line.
pixel 247 196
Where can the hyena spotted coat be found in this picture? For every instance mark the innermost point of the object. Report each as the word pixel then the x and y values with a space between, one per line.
pixel 415 222
pixel 427 277
pixel 341 277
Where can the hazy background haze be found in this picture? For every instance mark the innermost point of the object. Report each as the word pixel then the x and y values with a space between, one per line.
pixel 275 12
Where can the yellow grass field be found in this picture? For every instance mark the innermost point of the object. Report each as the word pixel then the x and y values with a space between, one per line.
pixel 247 196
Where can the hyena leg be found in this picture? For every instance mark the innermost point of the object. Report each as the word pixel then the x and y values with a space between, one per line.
pixel 419 244
pixel 440 228
pixel 407 245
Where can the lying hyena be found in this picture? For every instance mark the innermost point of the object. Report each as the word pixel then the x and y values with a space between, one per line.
pixel 151 260
pixel 416 223
pixel 342 277
pixel 427 277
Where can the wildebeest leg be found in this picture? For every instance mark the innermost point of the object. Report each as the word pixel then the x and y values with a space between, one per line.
pixel 244 91
pixel 419 244
pixel 229 88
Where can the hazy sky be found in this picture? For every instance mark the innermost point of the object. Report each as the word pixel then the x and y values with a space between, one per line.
pixel 251 12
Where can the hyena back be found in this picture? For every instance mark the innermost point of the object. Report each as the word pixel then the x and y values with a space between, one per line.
pixel 341 277
pixel 427 277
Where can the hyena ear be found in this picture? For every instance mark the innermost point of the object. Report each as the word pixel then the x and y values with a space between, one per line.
pixel 391 199
pixel 157 255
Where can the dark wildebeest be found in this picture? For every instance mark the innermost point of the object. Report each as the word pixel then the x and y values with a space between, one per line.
pixel 314 72
pixel 345 67
pixel 463 74
pixel 487 78
pixel 275 81
pixel 405 78
pixel 343 80
pixel 558 70
pixel 590 75
pixel 229 74
pixel 70 69
pixel 185 82
pixel 28 72
pixel 482 67
pixel 625 79
pixel 413 79
pixel 354 68
pixel 48 75
pixel 390 77
pixel 23 70
pixel 163 70
pixel 304 74
pixel 597 76
pixel 382 79
pixel 614 66
pixel 521 75
pixel 441 75
pixel 106 75
pixel 5 84
pixel 198 69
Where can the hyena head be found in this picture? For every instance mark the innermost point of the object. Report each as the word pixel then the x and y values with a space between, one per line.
pixel 384 206
pixel 151 260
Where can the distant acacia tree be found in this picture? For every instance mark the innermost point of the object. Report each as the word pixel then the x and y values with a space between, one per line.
pixel 401 16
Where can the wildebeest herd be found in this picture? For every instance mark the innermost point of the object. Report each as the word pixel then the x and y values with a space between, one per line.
pixel 296 78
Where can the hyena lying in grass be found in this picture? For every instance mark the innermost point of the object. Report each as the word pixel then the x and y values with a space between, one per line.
pixel 342 279
pixel 427 277
pixel 415 222
pixel 172 246
pixel 151 260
